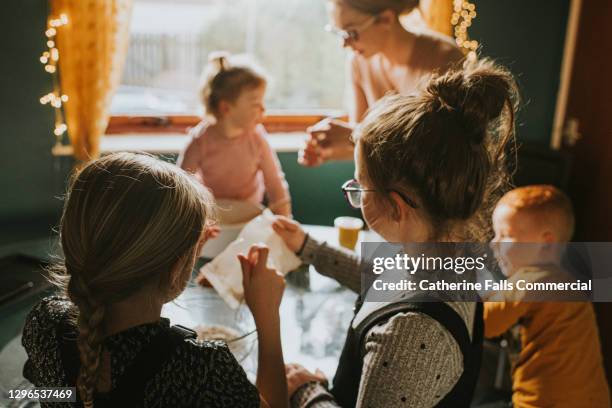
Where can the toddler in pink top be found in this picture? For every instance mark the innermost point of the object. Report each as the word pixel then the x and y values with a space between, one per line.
pixel 228 150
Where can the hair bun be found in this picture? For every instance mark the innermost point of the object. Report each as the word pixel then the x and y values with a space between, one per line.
pixel 477 94
pixel 219 60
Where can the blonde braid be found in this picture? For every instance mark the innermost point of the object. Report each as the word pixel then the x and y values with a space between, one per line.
pixel 90 325
pixel 161 212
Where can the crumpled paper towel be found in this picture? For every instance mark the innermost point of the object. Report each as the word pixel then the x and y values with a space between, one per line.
pixel 224 272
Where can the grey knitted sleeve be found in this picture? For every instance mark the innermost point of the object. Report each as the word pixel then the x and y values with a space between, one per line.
pixel 410 361
pixel 337 263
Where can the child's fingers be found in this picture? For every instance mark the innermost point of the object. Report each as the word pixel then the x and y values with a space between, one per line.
pixel 279 229
pixel 262 258
pixel 285 223
pixel 253 254
pixel 290 224
pixel 246 270
pixel 244 262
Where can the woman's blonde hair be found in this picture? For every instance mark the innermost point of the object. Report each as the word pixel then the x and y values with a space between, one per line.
pixel 224 80
pixel 446 145
pixel 129 220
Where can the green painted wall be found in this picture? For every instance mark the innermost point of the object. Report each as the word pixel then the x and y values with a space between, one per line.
pixel 315 192
pixel 30 178
pixel 527 35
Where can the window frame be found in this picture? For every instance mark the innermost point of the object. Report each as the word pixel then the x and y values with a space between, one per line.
pixel 275 122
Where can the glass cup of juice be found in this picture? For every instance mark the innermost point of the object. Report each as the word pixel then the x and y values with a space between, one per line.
pixel 348 231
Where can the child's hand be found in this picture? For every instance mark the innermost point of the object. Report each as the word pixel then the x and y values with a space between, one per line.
pixel 283 208
pixel 290 231
pixel 298 376
pixel 263 287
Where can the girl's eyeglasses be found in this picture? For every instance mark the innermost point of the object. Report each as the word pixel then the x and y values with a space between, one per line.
pixel 352 34
pixel 352 192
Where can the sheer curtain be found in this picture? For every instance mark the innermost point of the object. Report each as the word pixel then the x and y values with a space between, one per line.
pixel 92 48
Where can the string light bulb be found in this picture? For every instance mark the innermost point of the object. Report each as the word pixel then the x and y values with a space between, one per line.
pixel 49 59
pixel 463 14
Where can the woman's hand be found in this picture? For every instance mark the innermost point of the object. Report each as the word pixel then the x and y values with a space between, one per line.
pixel 330 139
pixel 298 376
pixel 263 287
pixel 290 231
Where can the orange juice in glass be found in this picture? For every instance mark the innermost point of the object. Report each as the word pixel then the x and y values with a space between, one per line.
pixel 348 231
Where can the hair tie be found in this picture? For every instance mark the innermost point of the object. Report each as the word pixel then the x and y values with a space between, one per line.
pixel 220 59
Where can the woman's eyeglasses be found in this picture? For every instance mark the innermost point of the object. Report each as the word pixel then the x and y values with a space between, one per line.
pixel 352 192
pixel 352 34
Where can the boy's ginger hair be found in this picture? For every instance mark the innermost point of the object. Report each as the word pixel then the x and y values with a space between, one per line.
pixel 552 207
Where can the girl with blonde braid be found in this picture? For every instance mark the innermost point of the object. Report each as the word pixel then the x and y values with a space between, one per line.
pixel 131 229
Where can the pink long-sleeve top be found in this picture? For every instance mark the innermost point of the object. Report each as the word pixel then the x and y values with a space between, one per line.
pixel 240 168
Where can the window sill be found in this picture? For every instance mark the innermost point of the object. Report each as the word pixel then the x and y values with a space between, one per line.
pixel 161 134
pixel 173 143
pixel 274 122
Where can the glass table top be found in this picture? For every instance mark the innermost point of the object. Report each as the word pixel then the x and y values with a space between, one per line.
pixel 315 313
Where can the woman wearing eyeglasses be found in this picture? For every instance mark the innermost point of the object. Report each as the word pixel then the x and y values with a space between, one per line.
pixel 386 58
pixel 429 166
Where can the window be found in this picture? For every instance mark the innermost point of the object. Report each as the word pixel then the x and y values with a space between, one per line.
pixel 170 41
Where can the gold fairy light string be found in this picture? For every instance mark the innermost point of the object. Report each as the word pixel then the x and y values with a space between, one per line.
pixel 50 60
pixel 463 14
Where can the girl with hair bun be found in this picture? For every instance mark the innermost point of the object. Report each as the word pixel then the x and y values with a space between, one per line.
pixel 387 58
pixel 228 150
pixel 130 232
pixel 428 168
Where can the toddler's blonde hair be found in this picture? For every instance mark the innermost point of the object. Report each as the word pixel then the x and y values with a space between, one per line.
pixel 225 80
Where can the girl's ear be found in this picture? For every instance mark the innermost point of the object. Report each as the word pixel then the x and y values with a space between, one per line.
pixel 224 107
pixel 179 276
pixel 401 210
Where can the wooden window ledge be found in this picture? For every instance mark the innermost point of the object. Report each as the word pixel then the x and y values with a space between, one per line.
pixel 174 143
